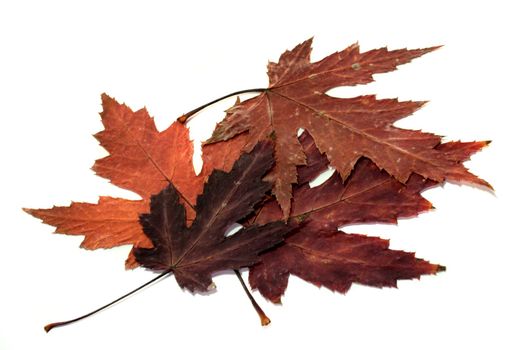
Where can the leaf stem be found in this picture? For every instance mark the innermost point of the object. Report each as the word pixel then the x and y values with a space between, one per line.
pixel 264 319
pixel 179 193
pixel 185 117
pixel 59 324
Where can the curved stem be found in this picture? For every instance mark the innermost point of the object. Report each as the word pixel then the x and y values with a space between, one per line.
pixel 185 117
pixel 264 319
pixel 63 323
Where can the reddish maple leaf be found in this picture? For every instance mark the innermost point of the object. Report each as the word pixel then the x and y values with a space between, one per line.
pixel 143 160
pixel 319 253
pixel 194 253
pixel 345 129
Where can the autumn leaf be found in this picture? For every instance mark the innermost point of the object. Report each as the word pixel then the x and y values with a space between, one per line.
pixel 317 252
pixel 194 253
pixel 143 160
pixel 345 129
pixel 336 260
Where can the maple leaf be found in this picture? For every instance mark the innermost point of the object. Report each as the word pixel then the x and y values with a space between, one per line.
pixel 345 129
pixel 317 252
pixel 194 253
pixel 143 160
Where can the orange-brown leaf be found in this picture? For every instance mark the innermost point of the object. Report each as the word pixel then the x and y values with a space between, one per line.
pixel 143 160
pixel 109 223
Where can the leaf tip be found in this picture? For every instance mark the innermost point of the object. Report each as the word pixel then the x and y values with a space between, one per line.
pixel 421 104
pixel 37 213
pixel 28 210
pixel 308 41
pixel 441 268
pixel 482 184
pixel 106 99
pixel 433 48
pixel 276 300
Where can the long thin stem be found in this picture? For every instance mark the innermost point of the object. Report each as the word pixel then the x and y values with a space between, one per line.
pixel 264 319
pixel 59 324
pixel 184 118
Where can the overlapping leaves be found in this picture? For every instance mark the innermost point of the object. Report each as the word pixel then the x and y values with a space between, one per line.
pixel 380 173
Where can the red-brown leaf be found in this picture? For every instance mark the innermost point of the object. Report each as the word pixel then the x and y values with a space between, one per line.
pixel 319 253
pixel 335 260
pixel 345 129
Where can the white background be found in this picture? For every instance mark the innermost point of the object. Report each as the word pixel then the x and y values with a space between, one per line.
pixel 57 57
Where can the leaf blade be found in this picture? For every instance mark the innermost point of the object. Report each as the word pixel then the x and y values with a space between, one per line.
pixel 194 253
pixel 324 256
pixel 343 129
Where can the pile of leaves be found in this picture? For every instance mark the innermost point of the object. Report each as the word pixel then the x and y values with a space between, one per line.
pixel 257 172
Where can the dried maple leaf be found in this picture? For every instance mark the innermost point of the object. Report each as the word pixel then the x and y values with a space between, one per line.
pixel 143 160
pixel 194 253
pixel 317 252
pixel 345 129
